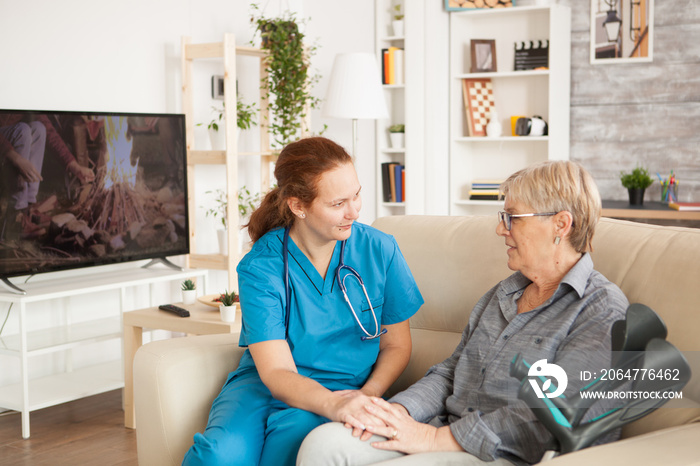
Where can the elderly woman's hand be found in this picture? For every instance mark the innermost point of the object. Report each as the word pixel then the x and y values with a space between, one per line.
pixel 406 435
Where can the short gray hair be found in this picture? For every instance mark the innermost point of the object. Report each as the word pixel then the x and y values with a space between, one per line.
pixel 556 186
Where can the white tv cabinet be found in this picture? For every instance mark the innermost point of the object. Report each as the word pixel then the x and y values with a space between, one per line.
pixel 30 395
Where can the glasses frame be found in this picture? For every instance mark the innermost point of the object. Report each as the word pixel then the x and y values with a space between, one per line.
pixel 505 217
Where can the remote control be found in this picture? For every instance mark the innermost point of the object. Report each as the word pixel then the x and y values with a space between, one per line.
pixel 175 310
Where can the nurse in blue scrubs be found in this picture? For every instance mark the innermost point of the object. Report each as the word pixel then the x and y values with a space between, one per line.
pixel 321 357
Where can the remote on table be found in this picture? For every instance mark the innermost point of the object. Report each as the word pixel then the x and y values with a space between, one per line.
pixel 175 310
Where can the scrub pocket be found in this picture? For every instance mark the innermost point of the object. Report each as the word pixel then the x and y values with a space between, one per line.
pixel 366 315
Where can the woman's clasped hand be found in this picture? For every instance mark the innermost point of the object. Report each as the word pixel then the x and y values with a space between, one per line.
pixel 403 433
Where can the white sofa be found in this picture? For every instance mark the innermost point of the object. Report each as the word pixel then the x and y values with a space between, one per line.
pixel 455 260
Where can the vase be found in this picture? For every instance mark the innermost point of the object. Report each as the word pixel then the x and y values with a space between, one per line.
pixel 218 139
pixel 494 128
pixel 228 313
pixel 202 140
pixel 396 140
pixel 222 236
pixel 189 296
pixel 636 196
pixel 397 26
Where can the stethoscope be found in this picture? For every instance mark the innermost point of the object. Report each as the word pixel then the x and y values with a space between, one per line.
pixel 341 283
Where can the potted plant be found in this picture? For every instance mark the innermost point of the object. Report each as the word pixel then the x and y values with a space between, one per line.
pixel 189 292
pixel 396 136
pixel 245 119
pixel 636 183
pixel 247 202
pixel 397 22
pixel 287 68
pixel 229 306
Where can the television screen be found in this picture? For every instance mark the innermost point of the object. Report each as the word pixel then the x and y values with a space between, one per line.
pixel 80 189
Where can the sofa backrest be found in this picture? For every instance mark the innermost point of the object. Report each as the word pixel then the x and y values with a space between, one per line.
pixel 455 260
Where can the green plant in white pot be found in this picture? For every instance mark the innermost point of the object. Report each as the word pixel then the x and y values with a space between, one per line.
pixel 228 306
pixel 397 20
pixel 245 119
pixel 396 136
pixel 189 292
pixel 247 202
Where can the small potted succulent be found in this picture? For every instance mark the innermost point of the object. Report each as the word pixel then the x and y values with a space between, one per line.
pixel 228 306
pixel 397 22
pixel 636 183
pixel 396 136
pixel 189 292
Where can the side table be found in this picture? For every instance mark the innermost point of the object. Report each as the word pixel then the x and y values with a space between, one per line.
pixel 203 320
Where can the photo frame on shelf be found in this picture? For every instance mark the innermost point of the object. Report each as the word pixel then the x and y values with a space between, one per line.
pixel 483 55
pixel 465 5
pixel 622 31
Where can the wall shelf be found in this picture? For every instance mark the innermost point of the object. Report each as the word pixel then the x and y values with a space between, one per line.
pixel 544 92
pixel 406 105
pixel 503 74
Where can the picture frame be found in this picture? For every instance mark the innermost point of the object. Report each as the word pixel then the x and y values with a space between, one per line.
pixel 466 5
pixel 483 55
pixel 621 31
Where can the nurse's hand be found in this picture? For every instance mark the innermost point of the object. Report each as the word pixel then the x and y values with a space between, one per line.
pixel 349 406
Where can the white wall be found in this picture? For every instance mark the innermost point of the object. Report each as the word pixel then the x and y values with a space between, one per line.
pixel 124 56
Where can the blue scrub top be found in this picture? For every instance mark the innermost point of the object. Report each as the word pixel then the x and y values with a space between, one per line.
pixel 324 337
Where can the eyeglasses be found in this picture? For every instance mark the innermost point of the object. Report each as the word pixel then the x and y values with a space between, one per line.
pixel 505 217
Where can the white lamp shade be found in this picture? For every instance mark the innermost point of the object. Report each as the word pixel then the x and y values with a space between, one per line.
pixel 355 89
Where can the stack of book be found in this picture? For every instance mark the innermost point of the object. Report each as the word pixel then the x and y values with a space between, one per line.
pixel 392 66
pixel 393 182
pixel 485 190
pixel 685 206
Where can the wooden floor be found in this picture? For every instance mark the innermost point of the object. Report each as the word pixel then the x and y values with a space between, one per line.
pixel 89 431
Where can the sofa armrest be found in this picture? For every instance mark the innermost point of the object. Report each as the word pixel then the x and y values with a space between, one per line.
pixel 675 446
pixel 175 383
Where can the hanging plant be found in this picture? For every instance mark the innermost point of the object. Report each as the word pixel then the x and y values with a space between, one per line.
pixel 289 83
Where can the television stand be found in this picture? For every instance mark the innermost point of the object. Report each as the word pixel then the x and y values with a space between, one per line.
pixel 13 288
pixel 165 261
pixel 66 335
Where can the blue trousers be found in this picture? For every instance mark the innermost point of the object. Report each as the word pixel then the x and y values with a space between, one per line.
pixel 247 426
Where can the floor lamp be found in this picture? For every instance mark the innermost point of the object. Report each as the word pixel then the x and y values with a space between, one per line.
pixel 355 90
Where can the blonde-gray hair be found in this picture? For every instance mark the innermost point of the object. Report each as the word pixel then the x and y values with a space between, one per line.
pixel 556 186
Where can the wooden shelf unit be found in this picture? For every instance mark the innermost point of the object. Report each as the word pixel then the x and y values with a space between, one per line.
pixel 228 51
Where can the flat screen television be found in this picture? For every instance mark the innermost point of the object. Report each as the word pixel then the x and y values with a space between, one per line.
pixel 81 189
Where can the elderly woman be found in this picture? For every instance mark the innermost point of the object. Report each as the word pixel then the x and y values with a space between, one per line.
pixel 554 307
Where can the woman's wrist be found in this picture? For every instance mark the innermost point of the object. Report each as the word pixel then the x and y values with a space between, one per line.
pixel 445 441
pixel 371 389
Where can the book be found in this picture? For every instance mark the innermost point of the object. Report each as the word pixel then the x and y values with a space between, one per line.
pixel 385 66
pixel 398 66
pixel 485 197
pixel 403 183
pixel 386 186
pixel 392 65
pixel 398 181
pixel 392 181
pixel 686 206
